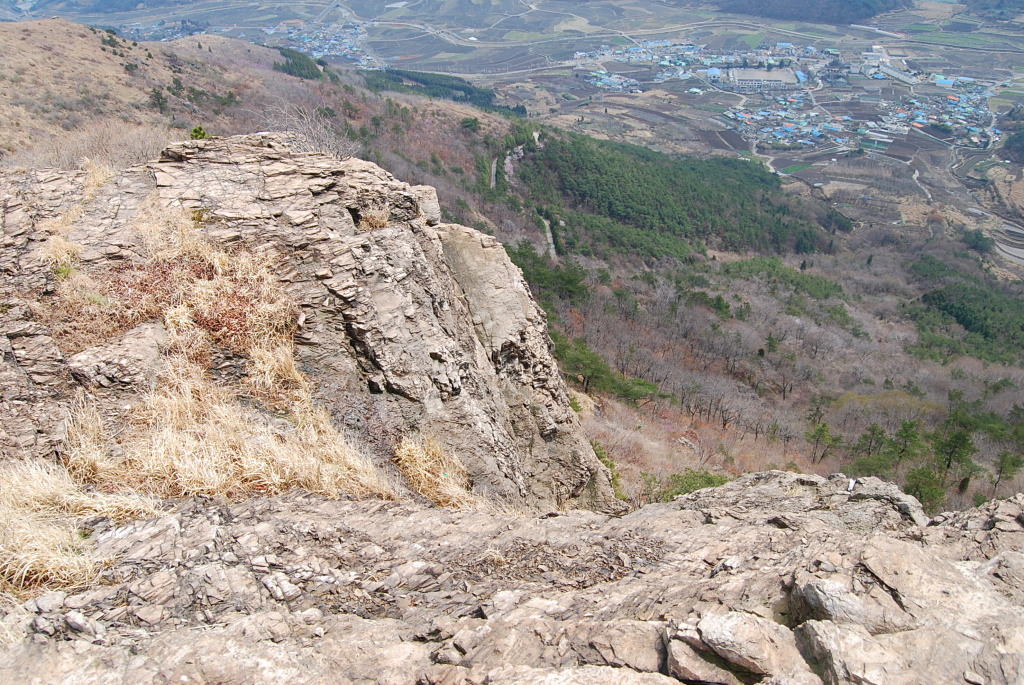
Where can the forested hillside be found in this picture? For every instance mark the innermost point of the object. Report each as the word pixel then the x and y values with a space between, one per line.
pixel 1013 148
pixel 997 9
pixel 607 198
pixel 436 86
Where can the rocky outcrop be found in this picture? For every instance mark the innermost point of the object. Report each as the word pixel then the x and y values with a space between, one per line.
pixel 772 578
pixel 407 325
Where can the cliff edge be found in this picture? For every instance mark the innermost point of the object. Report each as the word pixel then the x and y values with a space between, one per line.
pixel 405 326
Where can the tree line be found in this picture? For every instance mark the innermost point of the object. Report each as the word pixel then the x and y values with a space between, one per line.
pixel 438 86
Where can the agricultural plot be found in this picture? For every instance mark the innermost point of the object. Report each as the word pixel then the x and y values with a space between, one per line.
pixel 727 141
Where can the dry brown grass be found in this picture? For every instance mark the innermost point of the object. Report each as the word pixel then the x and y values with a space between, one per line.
pixel 63 97
pixel 207 295
pixel 437 475
pixel 41 509
pixel 374 218
pixel 97 146
pixel 13 616
pixel 100 144
pixel 275 379
pixel 194 436
pixel 59 253
pixel 191 435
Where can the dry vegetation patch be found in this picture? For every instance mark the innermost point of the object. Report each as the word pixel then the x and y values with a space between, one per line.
pixel 439 476
pixel 115 145
pixel 42 507
pixel 205 294
pixel 194 436
pixel 375 218
pixel 191 434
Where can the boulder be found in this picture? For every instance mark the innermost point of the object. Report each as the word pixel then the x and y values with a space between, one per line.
pixel 753 644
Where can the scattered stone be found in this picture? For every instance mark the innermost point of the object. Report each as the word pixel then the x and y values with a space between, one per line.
pixel 50 602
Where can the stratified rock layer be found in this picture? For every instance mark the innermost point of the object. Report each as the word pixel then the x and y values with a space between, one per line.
pixel 407 326
pixel 773 578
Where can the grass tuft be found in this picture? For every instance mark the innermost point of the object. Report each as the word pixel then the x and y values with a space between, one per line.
pixel 375 218
pixel 437 475
pixel 59 252
pixel 41 510
pixel 194 436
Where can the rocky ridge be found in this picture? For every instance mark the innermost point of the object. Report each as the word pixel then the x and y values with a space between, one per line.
pixel 772 578
pixel 406 324
pixel 409 325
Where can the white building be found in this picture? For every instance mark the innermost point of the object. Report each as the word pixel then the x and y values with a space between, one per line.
pixel 747 80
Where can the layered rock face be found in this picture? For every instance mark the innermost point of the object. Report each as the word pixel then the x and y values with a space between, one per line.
pixel 406 325
pixel 773 578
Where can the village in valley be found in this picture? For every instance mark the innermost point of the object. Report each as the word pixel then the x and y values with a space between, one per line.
pixel 736 84
pixel 802 97
pixel 792 96
pixel 866 116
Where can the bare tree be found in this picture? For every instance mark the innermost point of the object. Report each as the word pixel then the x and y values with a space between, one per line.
pixel 311 129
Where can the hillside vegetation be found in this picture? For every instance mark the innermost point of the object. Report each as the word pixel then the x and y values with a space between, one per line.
pixel 1013 148
pixel 997 9
pixel 721 320
pixel 622 199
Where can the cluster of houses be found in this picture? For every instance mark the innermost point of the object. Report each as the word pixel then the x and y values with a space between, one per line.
pixel 791 121
pixel 783 74
pixel 614 82
pixel 788 122
pixel 323 40
pixel 767 68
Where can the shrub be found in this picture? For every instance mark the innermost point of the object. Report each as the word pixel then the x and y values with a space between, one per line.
pixel 924 484
pixel 311 128
pixel 656 490
pixel 977 240
pixel 158 100
pixel 609 463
